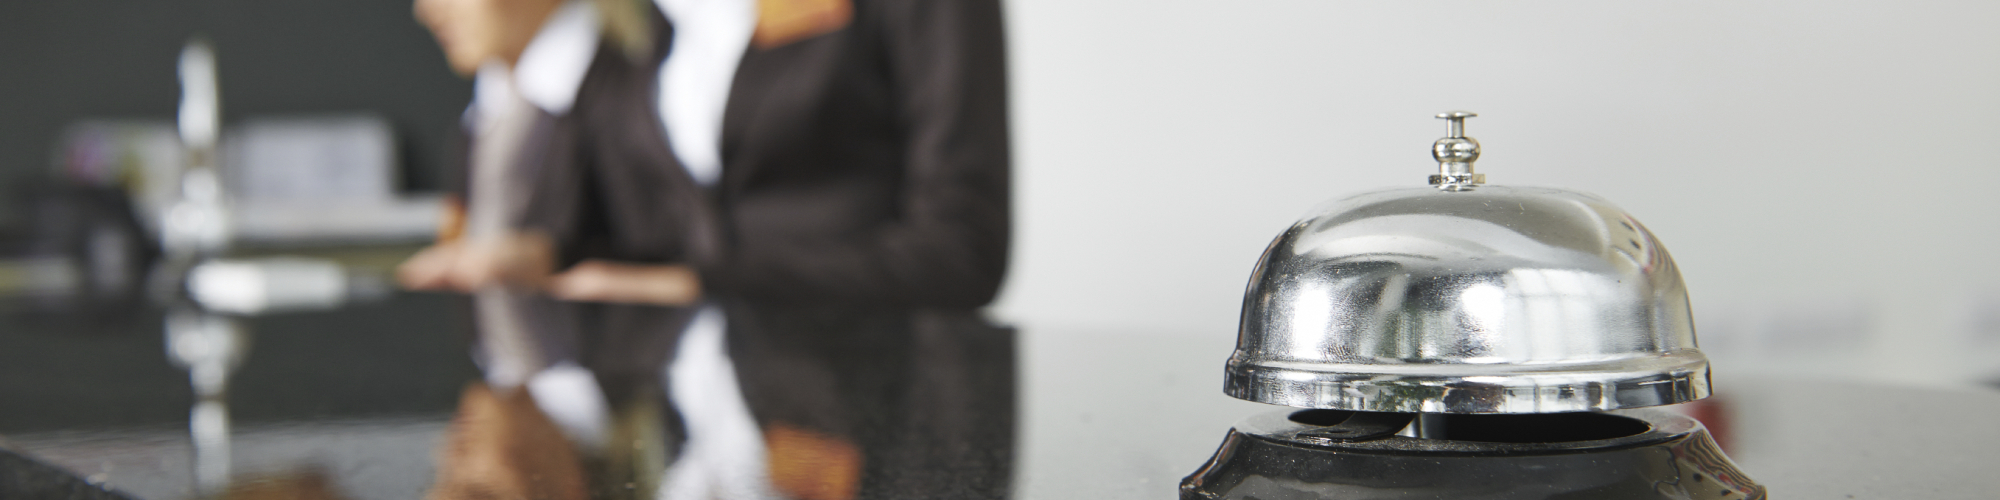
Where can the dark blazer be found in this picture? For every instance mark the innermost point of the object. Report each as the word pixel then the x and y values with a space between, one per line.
pixel 865 177
pixel 866 165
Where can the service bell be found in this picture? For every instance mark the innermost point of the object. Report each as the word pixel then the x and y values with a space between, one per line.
pixel 1467 341
pixel 1467 298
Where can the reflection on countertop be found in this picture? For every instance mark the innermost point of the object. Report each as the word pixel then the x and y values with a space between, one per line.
pixel 363 396
pixel 380 400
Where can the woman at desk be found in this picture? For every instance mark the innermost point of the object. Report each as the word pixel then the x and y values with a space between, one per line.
pixel 528 59
pixel 811 151
pixel 784 151
pixel 808 176
pixel 797 173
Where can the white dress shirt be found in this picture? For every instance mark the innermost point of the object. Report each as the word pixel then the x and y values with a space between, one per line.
pixel 709 39
pixel 724 454
pixel 551 68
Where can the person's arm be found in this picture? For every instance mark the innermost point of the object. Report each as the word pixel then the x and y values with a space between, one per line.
pixel 431 268
pixel 554 228
pixel 949 248
pixel 627 282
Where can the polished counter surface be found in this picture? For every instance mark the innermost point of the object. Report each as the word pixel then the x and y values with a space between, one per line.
pixel 358 401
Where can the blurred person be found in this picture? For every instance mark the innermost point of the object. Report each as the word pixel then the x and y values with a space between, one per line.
pixel 812 177
pixel 796 173
pixel 528 58
pixel 819 182
pixel 487 40
pixel 796 151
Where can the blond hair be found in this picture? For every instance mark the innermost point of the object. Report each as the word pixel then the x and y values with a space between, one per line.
pixel 626 26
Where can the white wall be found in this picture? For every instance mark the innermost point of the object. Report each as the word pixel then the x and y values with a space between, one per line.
pixel 1824 172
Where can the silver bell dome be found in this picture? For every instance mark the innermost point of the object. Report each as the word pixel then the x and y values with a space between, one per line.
pixel 1467 298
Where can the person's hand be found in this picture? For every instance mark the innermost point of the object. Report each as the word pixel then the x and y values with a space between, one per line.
pixel 430 268
pixel 523 260
pixel 606 281
pixel 517 260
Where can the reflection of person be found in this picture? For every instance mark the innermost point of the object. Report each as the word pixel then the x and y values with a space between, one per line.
pixel 501 446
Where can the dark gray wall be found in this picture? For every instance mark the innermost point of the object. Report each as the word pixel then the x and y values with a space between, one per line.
pixel 61 60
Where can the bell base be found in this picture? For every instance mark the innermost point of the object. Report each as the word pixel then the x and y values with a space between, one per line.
pixel 1661 380
pixel 1636 454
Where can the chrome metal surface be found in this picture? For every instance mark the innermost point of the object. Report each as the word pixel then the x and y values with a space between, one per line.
pixel 1425 426
pixel 1489 300
pixel 1455 154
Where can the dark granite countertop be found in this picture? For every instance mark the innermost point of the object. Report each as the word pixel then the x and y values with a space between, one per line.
pixel 359 400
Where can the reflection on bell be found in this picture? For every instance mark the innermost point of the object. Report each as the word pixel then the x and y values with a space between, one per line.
pixel 1463 329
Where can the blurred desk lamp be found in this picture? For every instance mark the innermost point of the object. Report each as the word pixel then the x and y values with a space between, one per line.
pixel 197 223
pixel 195 226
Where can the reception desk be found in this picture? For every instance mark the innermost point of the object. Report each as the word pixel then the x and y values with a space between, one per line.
pixel 357 400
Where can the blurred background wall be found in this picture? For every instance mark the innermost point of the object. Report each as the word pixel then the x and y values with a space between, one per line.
pixel 1820 170
pixel 66 60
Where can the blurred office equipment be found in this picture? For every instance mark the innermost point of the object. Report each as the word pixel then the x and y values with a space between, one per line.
pixel 204 227
pixel 125 194
pixel 329 159
pixel 323 179
pixel 291 181
pixel 82 251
